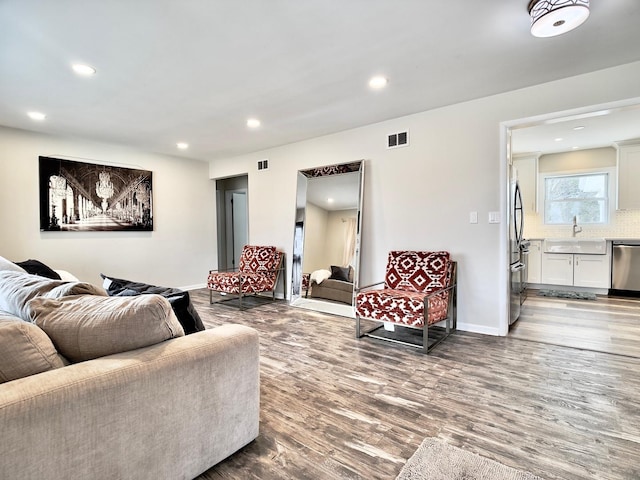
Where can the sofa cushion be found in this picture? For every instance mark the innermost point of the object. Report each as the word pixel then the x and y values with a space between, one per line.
pixel 83 327
pixel 36 267
pixel 24 349
pixel 17 288
pixel 6 265
pixel 180 301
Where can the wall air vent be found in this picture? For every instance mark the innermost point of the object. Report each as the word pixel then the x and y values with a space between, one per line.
pixel 263 164
pixel 400 139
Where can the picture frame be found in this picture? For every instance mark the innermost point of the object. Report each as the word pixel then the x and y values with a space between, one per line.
pixel 83 196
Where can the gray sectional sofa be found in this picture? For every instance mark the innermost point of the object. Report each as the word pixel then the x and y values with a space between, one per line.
pixel 103 387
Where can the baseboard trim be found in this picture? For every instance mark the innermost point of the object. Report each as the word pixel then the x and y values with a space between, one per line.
pixel 483 329
pixel 194 287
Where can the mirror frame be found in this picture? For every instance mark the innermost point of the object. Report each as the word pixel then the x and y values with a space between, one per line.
pixel 299 226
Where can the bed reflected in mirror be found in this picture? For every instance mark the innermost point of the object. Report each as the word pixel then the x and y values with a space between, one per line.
pixel 326 247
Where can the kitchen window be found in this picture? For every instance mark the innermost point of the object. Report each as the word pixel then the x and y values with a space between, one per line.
pixel 581 195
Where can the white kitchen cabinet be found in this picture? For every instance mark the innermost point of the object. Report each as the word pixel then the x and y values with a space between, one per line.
pixel 534 262
pixel 527 175
pixel 628 175
pixel 591 271
pixel 557 268
pixel 576 270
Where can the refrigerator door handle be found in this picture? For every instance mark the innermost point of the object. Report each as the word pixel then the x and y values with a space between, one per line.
pixel 517 267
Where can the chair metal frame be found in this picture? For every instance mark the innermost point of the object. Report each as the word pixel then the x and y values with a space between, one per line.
pixel 451 321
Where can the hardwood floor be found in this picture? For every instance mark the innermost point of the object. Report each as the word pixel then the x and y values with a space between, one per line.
pixel 608 324
pixel 335 407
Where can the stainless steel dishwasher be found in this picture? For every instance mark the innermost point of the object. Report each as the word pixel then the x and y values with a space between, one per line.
pixel 625 268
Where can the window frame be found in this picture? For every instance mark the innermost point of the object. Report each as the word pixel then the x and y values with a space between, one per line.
pixel 610 198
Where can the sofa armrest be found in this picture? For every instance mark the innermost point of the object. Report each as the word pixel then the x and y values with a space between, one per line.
pixel 171 410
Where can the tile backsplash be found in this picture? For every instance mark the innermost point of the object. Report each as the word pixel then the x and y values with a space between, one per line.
pixel 625 224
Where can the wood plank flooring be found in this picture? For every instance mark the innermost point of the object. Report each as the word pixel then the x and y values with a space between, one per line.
pixel 608 324
pixel 335 407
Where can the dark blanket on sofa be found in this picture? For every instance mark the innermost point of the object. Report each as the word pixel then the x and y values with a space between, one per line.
pixel 179 300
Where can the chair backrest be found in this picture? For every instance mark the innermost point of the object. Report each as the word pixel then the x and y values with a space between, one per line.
pixel 257 259
pixel 418 271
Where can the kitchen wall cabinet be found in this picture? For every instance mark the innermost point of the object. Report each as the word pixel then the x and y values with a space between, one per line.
pixel 628 174
pixel 534 262
pixel 576 270
pixel 527 174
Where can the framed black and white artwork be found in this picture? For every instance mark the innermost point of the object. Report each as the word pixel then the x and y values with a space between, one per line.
pixel 80 196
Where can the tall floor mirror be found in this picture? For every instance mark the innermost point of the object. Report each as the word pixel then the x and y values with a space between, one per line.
pixel 326 244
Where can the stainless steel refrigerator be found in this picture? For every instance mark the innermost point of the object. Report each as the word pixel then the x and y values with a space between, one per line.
pixel 517 250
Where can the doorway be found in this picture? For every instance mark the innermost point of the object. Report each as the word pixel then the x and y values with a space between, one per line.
pixel 608 324
pixel 232 220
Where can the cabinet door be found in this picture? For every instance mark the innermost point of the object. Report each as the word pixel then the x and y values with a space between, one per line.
pixel 591 271
pixel 628 174
pixel 534 262
pixel 527 173
pixel 557 268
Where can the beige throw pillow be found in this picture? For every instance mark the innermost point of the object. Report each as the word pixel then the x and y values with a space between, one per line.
pixel 88 326
pixel 24 349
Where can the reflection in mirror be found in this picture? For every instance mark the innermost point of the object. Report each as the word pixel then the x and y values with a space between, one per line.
pixel 326 245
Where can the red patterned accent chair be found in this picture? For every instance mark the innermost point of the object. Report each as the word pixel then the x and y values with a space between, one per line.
pixel 419 291
pixel 259 272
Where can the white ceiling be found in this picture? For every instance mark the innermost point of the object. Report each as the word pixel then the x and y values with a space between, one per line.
pixel 600 128
pixel 195 70
pixel 335 192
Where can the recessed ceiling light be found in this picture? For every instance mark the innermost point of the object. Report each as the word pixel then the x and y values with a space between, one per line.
pixel 253 123
pixel 575 148
pixel 182 145
pixel 579 127
pixel 559 139
pixel 330 200
pixel 36 115
pixel 84 70
pixel 378 82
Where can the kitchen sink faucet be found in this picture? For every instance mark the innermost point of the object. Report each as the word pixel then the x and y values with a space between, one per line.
pixel 576 228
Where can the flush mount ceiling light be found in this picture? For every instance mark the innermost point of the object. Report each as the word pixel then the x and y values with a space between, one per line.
pixel 182 145
pixel 36 115
pixel 253 123
pixel 82 69
pixel 378 82
pixel 555 17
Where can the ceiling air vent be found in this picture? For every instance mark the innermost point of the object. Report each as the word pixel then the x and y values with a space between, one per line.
pixel 263 164
pixel 400 139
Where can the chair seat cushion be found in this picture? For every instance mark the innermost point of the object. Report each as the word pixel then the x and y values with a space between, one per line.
pixel 401 307
pixel 229 282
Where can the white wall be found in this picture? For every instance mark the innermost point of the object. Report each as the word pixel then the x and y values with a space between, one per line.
pixel 180 250
pixel 315 228
pixel 420 197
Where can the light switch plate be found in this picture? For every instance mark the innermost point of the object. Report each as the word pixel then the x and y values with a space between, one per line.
pixel 494 217
pixel 473 217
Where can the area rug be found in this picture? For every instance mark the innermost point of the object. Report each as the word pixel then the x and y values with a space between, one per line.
pixel 566 294
pixel 435 460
